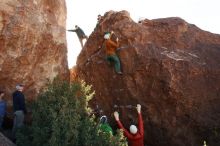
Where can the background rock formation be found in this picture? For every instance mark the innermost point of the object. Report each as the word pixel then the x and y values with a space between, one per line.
pixel 32 43
pixel 171 67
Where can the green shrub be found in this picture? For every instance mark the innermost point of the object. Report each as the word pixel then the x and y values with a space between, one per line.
pixel 61 117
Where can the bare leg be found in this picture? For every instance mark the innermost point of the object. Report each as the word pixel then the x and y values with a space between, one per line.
pixel 81 42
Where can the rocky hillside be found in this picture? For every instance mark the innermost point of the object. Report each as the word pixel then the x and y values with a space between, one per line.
pixel 170 67
pixel 33 43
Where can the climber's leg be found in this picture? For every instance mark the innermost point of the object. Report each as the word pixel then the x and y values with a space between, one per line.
pixel 81 42
pixel 117 64
pixel 109 60
pixel 86 37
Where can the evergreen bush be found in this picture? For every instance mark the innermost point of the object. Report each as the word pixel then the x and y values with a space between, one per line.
pixel 61 117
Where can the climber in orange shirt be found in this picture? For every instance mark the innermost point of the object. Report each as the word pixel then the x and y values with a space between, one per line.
pixel 111 48
pixel 135 136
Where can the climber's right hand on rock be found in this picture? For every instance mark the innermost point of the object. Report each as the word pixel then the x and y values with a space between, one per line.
pixel 116 115
pixel 112 32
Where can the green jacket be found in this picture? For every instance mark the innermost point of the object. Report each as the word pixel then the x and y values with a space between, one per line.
pixel 106 128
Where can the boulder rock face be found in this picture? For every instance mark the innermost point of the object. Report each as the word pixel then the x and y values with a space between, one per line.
pixel 170 67
pixel 33 44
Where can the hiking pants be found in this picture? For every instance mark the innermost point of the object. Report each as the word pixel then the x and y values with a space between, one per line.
pixel 18 121
pixel 115 59
pixel 1 121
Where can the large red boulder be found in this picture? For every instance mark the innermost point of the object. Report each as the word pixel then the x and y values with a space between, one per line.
pixel 170 67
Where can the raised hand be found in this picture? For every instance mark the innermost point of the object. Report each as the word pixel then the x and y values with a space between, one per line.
pixel 138 108
pixel 117 39
pixel 116 115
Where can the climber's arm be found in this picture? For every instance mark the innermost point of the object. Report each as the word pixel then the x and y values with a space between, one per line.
pixel 140 120
pixel 125 131
pixel 73 30
pixel 115 45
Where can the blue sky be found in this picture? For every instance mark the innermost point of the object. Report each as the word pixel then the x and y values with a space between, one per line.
pixel 203 13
